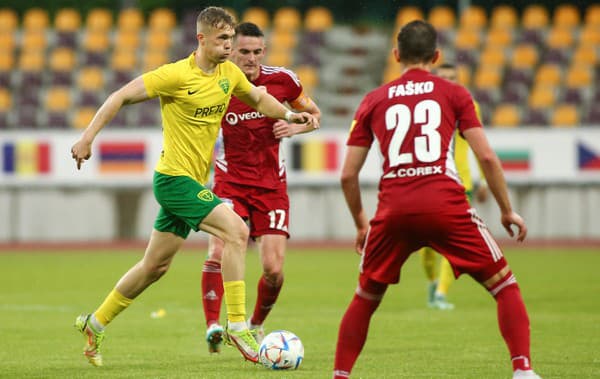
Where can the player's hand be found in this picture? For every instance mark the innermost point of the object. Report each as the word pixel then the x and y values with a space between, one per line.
pixel 304 118
pixel 510 219
pixel 81 151
pixel 359 243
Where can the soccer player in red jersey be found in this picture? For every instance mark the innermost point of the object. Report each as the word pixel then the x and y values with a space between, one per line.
pixel 250 177
pixel 421 199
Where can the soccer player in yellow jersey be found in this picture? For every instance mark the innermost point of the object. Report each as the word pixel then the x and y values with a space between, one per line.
pixel 194 94
pixel 439 283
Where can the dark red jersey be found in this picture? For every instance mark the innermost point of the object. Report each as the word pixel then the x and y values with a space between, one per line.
pixel 250 154
pixel 413 119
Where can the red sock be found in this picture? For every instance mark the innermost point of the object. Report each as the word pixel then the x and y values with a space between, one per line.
pixel 212 291
pixel 513 321
pixel 354 328
pixel 266 296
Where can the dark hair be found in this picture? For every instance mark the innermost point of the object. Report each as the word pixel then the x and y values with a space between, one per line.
pixel 417 42
pixel 214 17
pixel 248 29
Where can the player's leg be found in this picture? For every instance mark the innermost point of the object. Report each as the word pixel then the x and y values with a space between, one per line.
pixel 272 256
pixel 212 294
pixel 354 327
pixel 446 278
pixel 485 262
pixel 428 261
pixel 225 224
pixel 155 263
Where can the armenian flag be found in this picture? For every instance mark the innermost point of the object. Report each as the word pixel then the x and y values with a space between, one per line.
pixel 122 157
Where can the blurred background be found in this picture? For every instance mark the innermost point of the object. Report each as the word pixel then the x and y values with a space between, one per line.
pixel 533 68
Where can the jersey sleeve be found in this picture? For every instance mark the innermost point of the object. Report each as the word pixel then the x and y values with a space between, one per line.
pixel 361 133
pixel 241 84
pixel 465 110
pixel 162 81
pixel 294 89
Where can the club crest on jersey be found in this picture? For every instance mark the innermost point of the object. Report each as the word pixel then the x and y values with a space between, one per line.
pixel 224 84
pixel 206 195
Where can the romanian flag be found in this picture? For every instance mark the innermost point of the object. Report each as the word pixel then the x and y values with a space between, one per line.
pixel 587 159
pixel 25 157
pixel 315 156
pixel 122 157
pixel 514 160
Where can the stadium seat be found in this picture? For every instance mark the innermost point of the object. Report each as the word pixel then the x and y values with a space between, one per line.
pixel 287 18
pixel 565 115
pixel 34 39
pixel 95 45
pixel 130 19
pixel 36 19
pixel 566 15
pixel 318 19
pixel 32 65
pixel 585 55
pixel 157 39
pixel 524 56
pixel 473 17
pixel 506 115
pixel 162 19
pixel 407 14
pixel 283 39
pixel 492 56
pixel 5 100
pixel 279 57
pixel 309 77
pixel 589 35
pixel 579 76
pixel 57 104
pixel 467 39
pixel 504 16
pixel 67 20
pixel 534 117
pixel 487 77
pixel 7 65
pixel 82 117
pixel 99 20
pixel 548 74
pixel 258 16
pixel 123 65
pixel 592 15
pixel 90 79
pixel 442 17
pixel 153 59
pixel 542 97
pixel 535 16
pixel 463 75
pixel 9 21
pixel 498 37
pixel 127 39
pixel 63 61
pixel 560 37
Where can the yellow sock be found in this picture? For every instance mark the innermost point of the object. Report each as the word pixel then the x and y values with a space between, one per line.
pixel 428 261
pixel 446 277
pixel 114 304
pixel 235 300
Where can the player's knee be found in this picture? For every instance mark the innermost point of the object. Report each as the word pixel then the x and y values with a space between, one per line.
pixel 273 276
pixel 238 234
pixel 501 280
pixel 155 270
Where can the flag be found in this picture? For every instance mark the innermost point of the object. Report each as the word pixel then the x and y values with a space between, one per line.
pixel 315 156
pixel 26 158
pixel 514 160
pixel 587 159
pixel 122 157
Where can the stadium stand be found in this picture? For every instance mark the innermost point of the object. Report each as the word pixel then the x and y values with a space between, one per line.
pixel 533 65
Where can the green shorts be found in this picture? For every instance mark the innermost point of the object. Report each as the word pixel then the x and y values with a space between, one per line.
pixel 184 203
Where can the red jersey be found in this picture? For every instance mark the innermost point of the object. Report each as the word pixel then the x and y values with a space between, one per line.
pixel 249 154
pixel 413 119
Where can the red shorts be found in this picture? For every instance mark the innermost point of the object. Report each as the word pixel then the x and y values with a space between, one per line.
pixel 267 210
pixel 460 235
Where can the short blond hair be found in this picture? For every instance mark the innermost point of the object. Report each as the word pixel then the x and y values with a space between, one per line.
pixel 214 17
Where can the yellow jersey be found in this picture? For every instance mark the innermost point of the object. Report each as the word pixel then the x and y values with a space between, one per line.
pixel 461 156
pixel 192 104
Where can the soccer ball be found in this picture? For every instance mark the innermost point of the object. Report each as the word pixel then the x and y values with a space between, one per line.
pixel 281 350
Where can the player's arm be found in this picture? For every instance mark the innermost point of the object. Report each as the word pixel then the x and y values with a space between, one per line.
pixel 481 191
pixel 266 104
pixel 353 162
pixel 492 169
pixel 132 92
pixel 303 103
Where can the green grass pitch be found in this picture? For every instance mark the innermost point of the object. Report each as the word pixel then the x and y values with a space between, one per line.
pixel 41 293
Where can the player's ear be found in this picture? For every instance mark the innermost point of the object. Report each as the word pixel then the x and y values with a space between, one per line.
pixel 200 37
pixel 396 54
pixel 436 56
